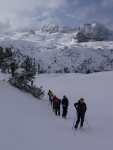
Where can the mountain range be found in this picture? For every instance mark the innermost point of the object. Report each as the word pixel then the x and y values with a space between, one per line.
pixel 58 49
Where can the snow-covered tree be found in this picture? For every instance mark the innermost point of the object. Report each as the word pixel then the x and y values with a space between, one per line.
pixel 29 69
pixel 23 79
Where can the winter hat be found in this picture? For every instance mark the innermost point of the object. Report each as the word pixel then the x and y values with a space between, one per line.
pixel 82 99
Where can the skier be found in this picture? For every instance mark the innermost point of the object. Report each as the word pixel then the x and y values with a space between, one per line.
pixel 50 94
pixel 57 107
pixel 54 100
pixel 65 104
pixel 81 108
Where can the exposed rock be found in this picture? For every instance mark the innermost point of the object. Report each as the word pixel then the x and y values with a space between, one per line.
pixel 32 32
pixel 92 31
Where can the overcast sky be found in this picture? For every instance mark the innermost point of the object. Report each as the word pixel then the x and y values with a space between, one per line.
pixel 27 14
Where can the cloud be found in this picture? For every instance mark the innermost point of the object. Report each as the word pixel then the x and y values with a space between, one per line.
pixel 81 13
pixel 17 14
pixel 107 3
pixel 27 14
pixel 4 26
pixel 71 16
pixel 106 21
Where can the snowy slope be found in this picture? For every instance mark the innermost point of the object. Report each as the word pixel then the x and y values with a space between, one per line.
pixel 28 123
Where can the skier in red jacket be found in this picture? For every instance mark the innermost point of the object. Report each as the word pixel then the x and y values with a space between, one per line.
pixel 54 100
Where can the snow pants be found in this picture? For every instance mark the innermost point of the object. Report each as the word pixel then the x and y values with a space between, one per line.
pixel 64 113
pixel 80 118
pixel 57 111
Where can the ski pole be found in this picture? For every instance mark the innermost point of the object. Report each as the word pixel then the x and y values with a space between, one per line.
pixel 73 122
pixel 88 124
pixel 69 114
pixel 61 110
pixel 49 104
pixel 48 99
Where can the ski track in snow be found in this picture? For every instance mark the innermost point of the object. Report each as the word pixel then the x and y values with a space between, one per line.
pixel 87 135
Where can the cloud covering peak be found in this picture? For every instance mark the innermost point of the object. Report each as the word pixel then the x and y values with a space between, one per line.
pixel 26 14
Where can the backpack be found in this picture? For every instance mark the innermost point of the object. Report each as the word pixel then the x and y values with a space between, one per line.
pixel 65 102
pixel 58 103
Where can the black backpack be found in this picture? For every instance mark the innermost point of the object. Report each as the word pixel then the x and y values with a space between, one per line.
pixel 58 103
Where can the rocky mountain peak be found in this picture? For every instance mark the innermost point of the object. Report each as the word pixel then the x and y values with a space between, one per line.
pixel 31 32
pixel 52 28
pixel 92 31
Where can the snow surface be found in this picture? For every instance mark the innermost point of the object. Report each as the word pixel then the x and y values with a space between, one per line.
pixel 30 124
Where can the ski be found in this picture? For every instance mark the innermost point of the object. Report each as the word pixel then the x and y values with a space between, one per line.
pixel 83 130
pixel 79 130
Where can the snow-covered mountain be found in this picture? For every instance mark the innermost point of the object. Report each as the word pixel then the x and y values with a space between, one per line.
pixel 60 52
pixel 52 28
pixel 93 31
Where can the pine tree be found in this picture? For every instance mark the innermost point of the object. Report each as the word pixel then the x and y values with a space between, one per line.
pixel 37 92
pixel 29 69
pixel 23 79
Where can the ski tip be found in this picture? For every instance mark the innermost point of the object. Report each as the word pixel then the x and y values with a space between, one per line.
pixel 74 129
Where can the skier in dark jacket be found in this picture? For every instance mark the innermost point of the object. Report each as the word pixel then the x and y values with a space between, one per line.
pixel 65 104
pixel 57 107
pixel 81 109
